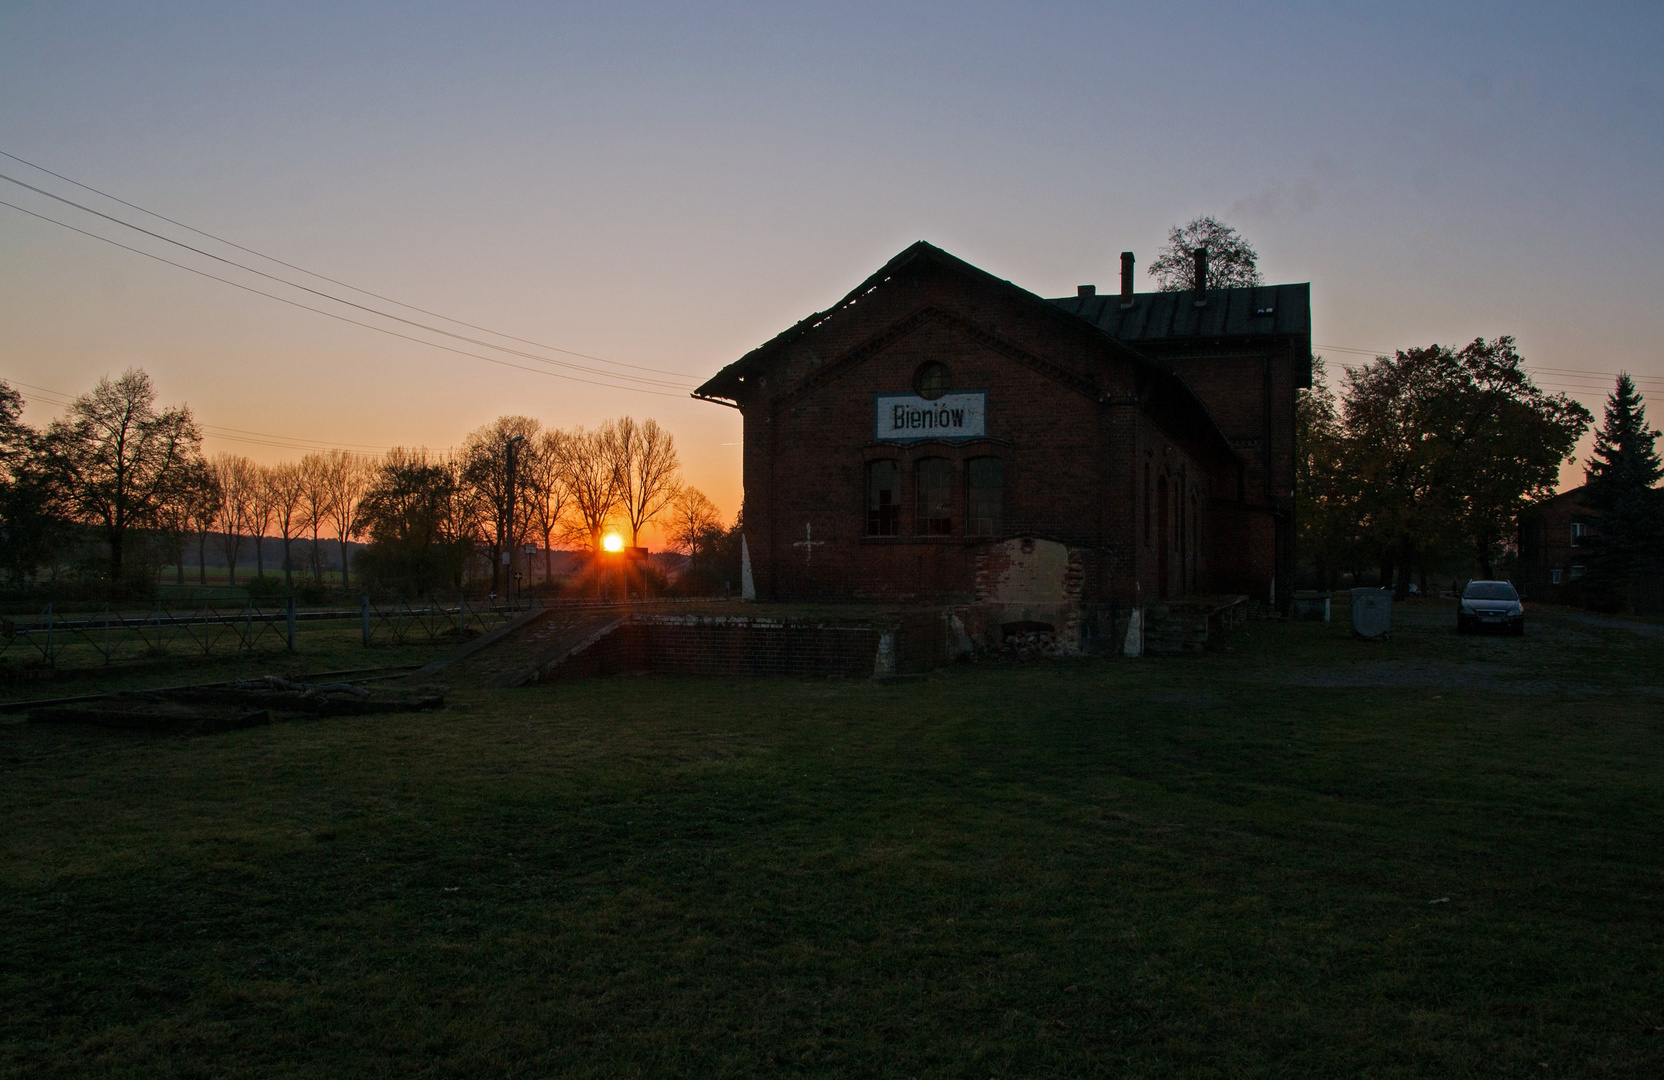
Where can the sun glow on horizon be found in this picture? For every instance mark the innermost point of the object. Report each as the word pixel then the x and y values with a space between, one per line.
pixel 613 542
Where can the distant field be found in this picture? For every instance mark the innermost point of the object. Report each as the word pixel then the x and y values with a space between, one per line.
pixel 1307 856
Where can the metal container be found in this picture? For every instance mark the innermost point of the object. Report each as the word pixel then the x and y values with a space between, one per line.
pixel 1372 612
pixel 1311 607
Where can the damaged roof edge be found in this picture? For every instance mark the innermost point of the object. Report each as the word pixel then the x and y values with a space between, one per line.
pixel 918 249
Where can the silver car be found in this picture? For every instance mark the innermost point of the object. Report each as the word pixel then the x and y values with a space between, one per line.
pixel 1490 605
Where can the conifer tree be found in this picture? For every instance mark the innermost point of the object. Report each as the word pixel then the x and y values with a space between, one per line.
pixel 1622 475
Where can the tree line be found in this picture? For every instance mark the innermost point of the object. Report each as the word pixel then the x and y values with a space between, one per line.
pixel 120 485
pixel 1427 458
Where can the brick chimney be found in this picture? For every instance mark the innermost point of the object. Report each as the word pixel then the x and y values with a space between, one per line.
pixel 1087 290
pixel 1201 257
pixel 1126 279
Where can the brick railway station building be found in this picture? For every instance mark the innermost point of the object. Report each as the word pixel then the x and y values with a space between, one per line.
pixel 941 436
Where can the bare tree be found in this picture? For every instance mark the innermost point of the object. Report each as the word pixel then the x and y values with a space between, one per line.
pixel 236 478
pixel 123 459
pixel 694 522
pixel 202 509
pixel 347 478
pixel 314 505
pixel 591 472
pixel 547 494
pixel 649 474
pixel 178 520
pixel 261 508
pixel 283 489
pixel 485 474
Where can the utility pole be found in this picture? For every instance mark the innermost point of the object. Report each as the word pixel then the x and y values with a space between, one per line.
pixel 508 549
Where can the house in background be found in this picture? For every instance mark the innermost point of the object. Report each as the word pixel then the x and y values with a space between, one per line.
pixel 1554 539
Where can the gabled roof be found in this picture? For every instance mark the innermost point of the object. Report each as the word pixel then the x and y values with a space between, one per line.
pixel 1253 311
pixel 917 252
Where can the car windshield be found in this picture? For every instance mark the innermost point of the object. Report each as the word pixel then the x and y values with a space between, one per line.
pixel 1490 590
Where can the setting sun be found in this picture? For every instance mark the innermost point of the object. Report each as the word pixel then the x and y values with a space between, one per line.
pixel 613 542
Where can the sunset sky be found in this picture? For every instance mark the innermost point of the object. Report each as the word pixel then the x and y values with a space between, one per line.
pixel 668 187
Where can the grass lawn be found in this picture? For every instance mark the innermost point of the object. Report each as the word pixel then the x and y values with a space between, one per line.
pixel 1307 856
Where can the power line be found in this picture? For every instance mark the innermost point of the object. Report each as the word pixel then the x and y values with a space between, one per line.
pixel 217 431
pixel 329 296
pixel 333 315
pixel 326 277
pixel 1551 371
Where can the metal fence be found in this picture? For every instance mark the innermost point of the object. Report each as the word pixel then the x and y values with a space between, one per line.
pixel 110 636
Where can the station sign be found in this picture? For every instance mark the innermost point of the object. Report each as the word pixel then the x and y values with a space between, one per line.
pixel 909 417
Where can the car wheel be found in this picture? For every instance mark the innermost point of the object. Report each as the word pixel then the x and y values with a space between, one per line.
pixel 1461 625
pixel 1519 628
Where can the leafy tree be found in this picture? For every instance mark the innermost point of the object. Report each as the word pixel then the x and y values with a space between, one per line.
pixel 408 513
pixel 32 528
pixel 1320 491
pixel 1509 439
pixel 1231 261
pixel 1446 447
pixel 123 460
pixel 1622 477
pixel 17 439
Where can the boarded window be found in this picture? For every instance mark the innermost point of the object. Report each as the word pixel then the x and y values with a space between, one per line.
pixel 984 496
pixel 935 497
pixel 883 499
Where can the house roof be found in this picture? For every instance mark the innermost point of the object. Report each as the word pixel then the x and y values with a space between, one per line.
pixel 1246 312
pixel 918 251
pixel 721 386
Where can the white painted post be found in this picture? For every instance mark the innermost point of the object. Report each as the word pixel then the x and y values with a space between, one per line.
pixel 1134 645
pixel 884 663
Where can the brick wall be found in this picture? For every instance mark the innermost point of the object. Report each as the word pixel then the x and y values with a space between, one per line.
pixel 1065 417
pixel 694 645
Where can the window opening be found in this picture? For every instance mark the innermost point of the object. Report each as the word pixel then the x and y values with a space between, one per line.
pixel 931 382
pixel 883 499
pixel 935 497
pixel 984 496
pixel 1146 504
pixel 1163 536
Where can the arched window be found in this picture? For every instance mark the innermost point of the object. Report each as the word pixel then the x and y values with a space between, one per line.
pixel 1181 520
pixel 1163 537
pixel 984 496
pixel 1146 504
pixel 931 381
pixel 883 498
pixel 935 497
